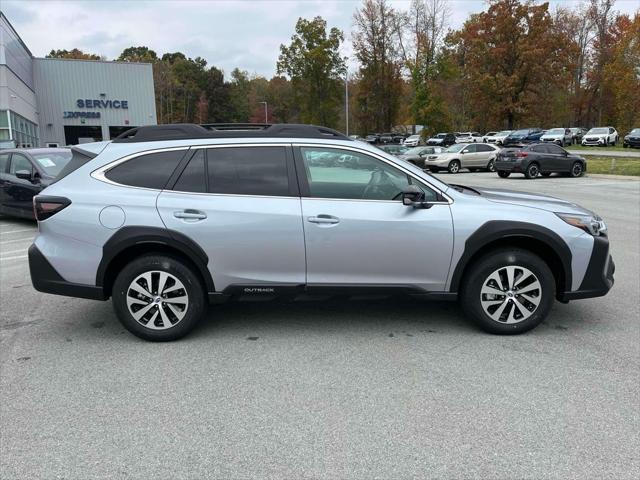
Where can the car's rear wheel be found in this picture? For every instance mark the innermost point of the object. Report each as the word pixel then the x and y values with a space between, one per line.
pixel 532 171
pixel 491 166
pixel 454 166
pixel 508 292
pixel 158 298
pixel 503 173
pixel 577 170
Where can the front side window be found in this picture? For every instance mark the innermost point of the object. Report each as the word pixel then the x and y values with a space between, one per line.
pixel 4 162
pixel 470 149
pixel 361 178
pixel 152 170
pixel 19 163
pixel 248 171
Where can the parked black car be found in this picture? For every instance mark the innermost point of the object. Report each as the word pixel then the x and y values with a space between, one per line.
pixel 632 139
pixel 522 137
pixel 386 138
pixel 539 159
pixel 577 134
pixel 442 140
pixel 26 172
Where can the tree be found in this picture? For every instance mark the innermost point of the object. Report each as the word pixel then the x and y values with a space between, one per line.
pixel 313 63
pixel 138 54
pixel 513 59
pixel 75 54
pixel 420 33
pixel 380 82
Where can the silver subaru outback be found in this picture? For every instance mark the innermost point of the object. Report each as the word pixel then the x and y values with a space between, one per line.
pixel 167 219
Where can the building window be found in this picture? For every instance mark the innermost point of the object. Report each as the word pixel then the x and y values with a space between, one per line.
pixel 23 132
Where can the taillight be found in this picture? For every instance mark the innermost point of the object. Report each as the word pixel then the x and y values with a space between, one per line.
pixel 522 154
pixel 45 207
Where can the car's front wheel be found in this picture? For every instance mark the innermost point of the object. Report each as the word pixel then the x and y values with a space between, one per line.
pixel 158 298
pixel 454 166
pixel 503 173
pixel 577 170
pixel 508 291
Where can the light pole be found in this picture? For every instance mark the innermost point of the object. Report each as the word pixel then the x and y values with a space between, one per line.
pixel 265 112
pixel 346 99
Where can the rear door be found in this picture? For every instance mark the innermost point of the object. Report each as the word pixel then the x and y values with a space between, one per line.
pixel 485 153
pixel 358 232
pixel 241 205
pixel 469 156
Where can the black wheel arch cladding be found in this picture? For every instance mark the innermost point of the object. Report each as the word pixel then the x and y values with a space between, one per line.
pixel 136 236
pixel 499 230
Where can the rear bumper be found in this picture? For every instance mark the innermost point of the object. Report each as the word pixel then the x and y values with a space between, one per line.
pixel 46 279
pixel 598 279
pixel 508 166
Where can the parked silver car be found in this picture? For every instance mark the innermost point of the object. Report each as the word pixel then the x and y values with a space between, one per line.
pixel 475 156
pixel 166 219
pixel 559 136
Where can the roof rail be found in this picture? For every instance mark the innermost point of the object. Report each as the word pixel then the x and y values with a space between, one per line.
pixel 187 131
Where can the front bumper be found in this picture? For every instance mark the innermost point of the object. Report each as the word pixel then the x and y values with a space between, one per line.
pixel 598 278
pixel 635 143
pixel 46 279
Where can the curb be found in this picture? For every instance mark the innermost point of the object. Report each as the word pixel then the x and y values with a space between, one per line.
pixel 605 176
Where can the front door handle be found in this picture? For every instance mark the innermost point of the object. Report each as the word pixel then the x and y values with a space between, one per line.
pixel 190 215
pixel 324 219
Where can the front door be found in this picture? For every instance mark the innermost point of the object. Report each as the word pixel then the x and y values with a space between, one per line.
pixel 241 205
pixel 358 232
pixel 19 192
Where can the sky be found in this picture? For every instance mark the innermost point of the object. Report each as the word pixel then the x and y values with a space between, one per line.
pixel 227 33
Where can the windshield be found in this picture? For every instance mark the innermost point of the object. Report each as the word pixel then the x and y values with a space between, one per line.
pixel 598 131
pixel 415 151
pixel 556 131
pixel 520 132
pixel 441 135
pixel 503 133
pixel 52 162
pixel 455 148
pixel 635 131
pixel 413 137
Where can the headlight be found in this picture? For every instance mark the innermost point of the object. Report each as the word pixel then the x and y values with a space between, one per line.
pixel 591 224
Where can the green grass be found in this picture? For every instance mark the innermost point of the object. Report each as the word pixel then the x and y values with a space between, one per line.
pixel 618 147
pixel 613 165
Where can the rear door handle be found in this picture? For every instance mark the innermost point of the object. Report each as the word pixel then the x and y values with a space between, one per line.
pixel 324 219
pixel 190 215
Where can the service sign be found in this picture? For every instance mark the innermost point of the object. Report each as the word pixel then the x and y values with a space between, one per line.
pixel 95 104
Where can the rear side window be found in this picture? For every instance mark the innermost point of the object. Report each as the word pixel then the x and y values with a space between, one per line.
pixel 192 178
pixel 148 171
pixel 248 171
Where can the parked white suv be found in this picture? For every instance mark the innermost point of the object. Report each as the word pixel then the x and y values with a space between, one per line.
pixel 166 219
pixel 600 137
pixel 559 136
pixel 499 137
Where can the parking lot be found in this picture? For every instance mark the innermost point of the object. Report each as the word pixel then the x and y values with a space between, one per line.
pixel 375 388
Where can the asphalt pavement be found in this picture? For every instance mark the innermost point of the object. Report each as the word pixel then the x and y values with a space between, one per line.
pixel 377 388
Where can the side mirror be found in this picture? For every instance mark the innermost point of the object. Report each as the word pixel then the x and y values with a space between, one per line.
pixel 24 175
pixel 413 196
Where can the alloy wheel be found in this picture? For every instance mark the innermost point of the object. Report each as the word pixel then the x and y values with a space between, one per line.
pixel 157 300
pixel 576 170
pixel 511 294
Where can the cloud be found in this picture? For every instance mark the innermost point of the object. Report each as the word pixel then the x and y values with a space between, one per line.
pixel 226 33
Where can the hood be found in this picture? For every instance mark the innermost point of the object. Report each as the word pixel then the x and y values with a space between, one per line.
pixel 552 135
pixel 543 202
pixel 436 139
pixel 596 135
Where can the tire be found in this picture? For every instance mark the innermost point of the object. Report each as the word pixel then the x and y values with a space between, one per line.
pixel 454 166
pixel 577 170
pixel 508 312
pixel 503 174
pixel 146 273
pixel 546 174
pixel 491 166
pixel 532 171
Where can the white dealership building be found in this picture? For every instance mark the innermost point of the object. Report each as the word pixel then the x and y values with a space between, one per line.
pixel 56 102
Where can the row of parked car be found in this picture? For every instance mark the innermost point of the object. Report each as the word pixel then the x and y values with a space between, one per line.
pixel 598 136
pixel 541 158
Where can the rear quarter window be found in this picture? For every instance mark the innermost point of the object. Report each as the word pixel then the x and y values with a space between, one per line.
pixel 151 170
